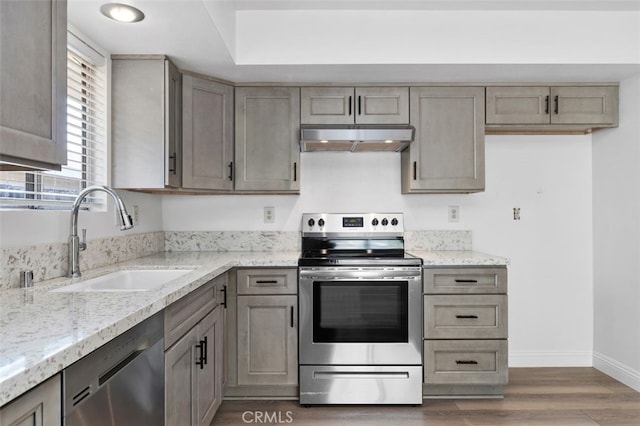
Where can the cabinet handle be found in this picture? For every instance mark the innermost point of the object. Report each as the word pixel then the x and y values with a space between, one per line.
pixel 467 316
pixel 467 362
pixel 201 358
pixel 174 160
pixel 546 105
pixel 291 319
pixel 556 102
pixel 466 281
pixel 295 172
pixel 415 170
pixel 350 105
pixel 205 350
pixel 359 105
pixel 266 281
pixel 231 170
pixel 224 298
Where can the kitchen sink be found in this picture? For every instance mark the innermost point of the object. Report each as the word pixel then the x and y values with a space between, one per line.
pixel 126 280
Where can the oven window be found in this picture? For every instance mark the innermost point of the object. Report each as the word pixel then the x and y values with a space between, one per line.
pixel 360 311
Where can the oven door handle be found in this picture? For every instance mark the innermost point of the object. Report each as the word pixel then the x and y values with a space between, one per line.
pixel 360 375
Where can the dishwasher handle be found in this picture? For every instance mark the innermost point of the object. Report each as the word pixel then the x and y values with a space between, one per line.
pixel 128 360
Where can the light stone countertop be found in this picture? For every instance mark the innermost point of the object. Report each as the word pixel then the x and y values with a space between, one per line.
pixel 458 258
pixel 41 333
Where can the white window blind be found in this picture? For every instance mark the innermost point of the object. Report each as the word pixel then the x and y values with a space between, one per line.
pixel 86 141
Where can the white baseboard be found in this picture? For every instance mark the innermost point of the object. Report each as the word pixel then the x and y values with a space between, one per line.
pixel 551 359
pixel 617 370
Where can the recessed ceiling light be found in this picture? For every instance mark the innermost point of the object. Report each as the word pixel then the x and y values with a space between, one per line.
pixel 388 141
pixel 121 12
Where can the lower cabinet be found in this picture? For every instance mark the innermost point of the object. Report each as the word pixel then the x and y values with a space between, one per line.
pixel 465 331
pixel 194 366
pixel 41 406
pixel 263 320
pixel 267 340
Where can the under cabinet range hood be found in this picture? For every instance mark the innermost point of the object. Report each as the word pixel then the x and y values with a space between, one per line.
pixel 355 138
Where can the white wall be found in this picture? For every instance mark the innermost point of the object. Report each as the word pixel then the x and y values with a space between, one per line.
pixel 24 228
pixel 437 37
pixel 548 177
pixel 616 215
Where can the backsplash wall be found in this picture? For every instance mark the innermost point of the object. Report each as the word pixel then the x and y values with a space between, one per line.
pixel 51 260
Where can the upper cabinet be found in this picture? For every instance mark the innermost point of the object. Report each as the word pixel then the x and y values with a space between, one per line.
pixel 267 151
pixel 360 105
pixel 170 131
pixel 207 134
pixel 146 131
pixel 447 154
pixel 33 77
pixel 552 107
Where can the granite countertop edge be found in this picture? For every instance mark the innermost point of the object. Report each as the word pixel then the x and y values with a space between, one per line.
pixel 41 333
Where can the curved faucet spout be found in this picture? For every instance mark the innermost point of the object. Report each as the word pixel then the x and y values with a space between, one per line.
pixel 74 242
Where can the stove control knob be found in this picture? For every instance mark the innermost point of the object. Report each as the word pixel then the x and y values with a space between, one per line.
pixel 321 222
pixel 394 221
pixel 311 222
pixel 374 222
pixel 385 222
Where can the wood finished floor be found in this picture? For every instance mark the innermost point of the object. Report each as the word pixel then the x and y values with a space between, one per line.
pixel 534 397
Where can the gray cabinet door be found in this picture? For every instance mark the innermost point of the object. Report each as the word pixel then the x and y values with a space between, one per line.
pixel 326 105
pixel 209 377
pixel 207 134
pixel 518 105
pixel 267 150
pixel 382 105
pixel 181 380
pixel 33 77
pixel 447 154
pixel 145 122
pixel 267 340
pixel 585 105
pixel 40 406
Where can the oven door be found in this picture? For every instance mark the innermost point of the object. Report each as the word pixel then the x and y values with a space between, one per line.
pixel 360 315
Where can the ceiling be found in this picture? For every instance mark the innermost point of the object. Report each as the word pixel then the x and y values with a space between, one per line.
pixel 201 36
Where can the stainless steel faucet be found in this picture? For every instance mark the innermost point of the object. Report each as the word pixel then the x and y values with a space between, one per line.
pixel 75 246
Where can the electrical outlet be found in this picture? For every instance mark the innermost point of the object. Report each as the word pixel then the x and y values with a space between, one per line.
pixel 454 214
pixel 269 215
pixel 136 214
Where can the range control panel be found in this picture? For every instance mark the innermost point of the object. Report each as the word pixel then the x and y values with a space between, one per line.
pixel 376 223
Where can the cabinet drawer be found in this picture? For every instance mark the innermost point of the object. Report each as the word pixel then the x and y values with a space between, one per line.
pixel 464 280
pixel 465 317
pixel 183 314
pixel 465 362
pixel 267 281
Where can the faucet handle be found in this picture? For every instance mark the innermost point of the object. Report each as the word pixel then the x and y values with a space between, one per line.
pixel 83 243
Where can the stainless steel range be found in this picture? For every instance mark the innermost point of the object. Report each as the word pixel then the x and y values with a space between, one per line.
pixel 360 307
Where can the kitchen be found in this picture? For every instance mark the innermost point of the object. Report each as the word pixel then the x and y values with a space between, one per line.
pixel 575 217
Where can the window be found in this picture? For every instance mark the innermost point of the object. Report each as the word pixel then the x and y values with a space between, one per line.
pixel 86 141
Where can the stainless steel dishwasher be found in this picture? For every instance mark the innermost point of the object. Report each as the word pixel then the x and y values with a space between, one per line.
pixel 120 383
